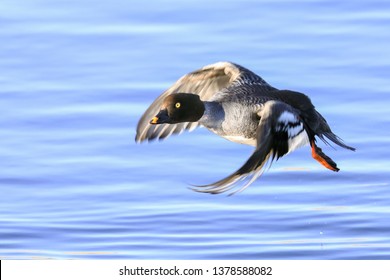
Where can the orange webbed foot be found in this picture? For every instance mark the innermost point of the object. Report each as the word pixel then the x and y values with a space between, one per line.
pixel 319 155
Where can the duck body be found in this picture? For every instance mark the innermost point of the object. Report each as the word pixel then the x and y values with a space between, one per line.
pixel 231 120
pixel 236 104
pixel 236 117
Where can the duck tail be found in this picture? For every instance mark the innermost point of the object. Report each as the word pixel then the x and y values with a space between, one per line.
pixel 324 133
pixel 323 130
pixel 335 139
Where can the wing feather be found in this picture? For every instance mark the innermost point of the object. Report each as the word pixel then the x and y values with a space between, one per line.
pixel 206 82
pixel 271 136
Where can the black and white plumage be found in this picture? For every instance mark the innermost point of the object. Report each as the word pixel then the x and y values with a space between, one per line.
pixel 240 106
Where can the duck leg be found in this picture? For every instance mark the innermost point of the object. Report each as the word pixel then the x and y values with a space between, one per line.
pixel 319 156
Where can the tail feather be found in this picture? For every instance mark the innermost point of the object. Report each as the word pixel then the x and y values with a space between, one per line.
pixel 337 140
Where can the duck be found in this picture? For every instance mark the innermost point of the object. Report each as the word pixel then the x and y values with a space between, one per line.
pixel 238 105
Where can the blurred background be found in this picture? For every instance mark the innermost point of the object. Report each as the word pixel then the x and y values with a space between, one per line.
pixel 76 76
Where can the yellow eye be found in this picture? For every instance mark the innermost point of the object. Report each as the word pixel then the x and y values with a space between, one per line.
pixel 177 105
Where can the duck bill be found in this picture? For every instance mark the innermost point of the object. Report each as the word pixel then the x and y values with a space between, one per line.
pixel 161 117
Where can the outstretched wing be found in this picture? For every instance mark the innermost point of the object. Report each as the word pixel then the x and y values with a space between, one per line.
pixel 205 82
pixel 280 131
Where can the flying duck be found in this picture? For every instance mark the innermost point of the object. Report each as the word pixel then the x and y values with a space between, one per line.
pixel 235 103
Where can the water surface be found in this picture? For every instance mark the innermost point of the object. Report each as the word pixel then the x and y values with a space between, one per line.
pixel 76 77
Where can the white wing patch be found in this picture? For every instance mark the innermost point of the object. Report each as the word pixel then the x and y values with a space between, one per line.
pixel 298 141
pixel 297 136
pixel 287 117
pixel 294 130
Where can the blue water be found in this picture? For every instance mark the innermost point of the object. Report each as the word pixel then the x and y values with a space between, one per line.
pixel 76 76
